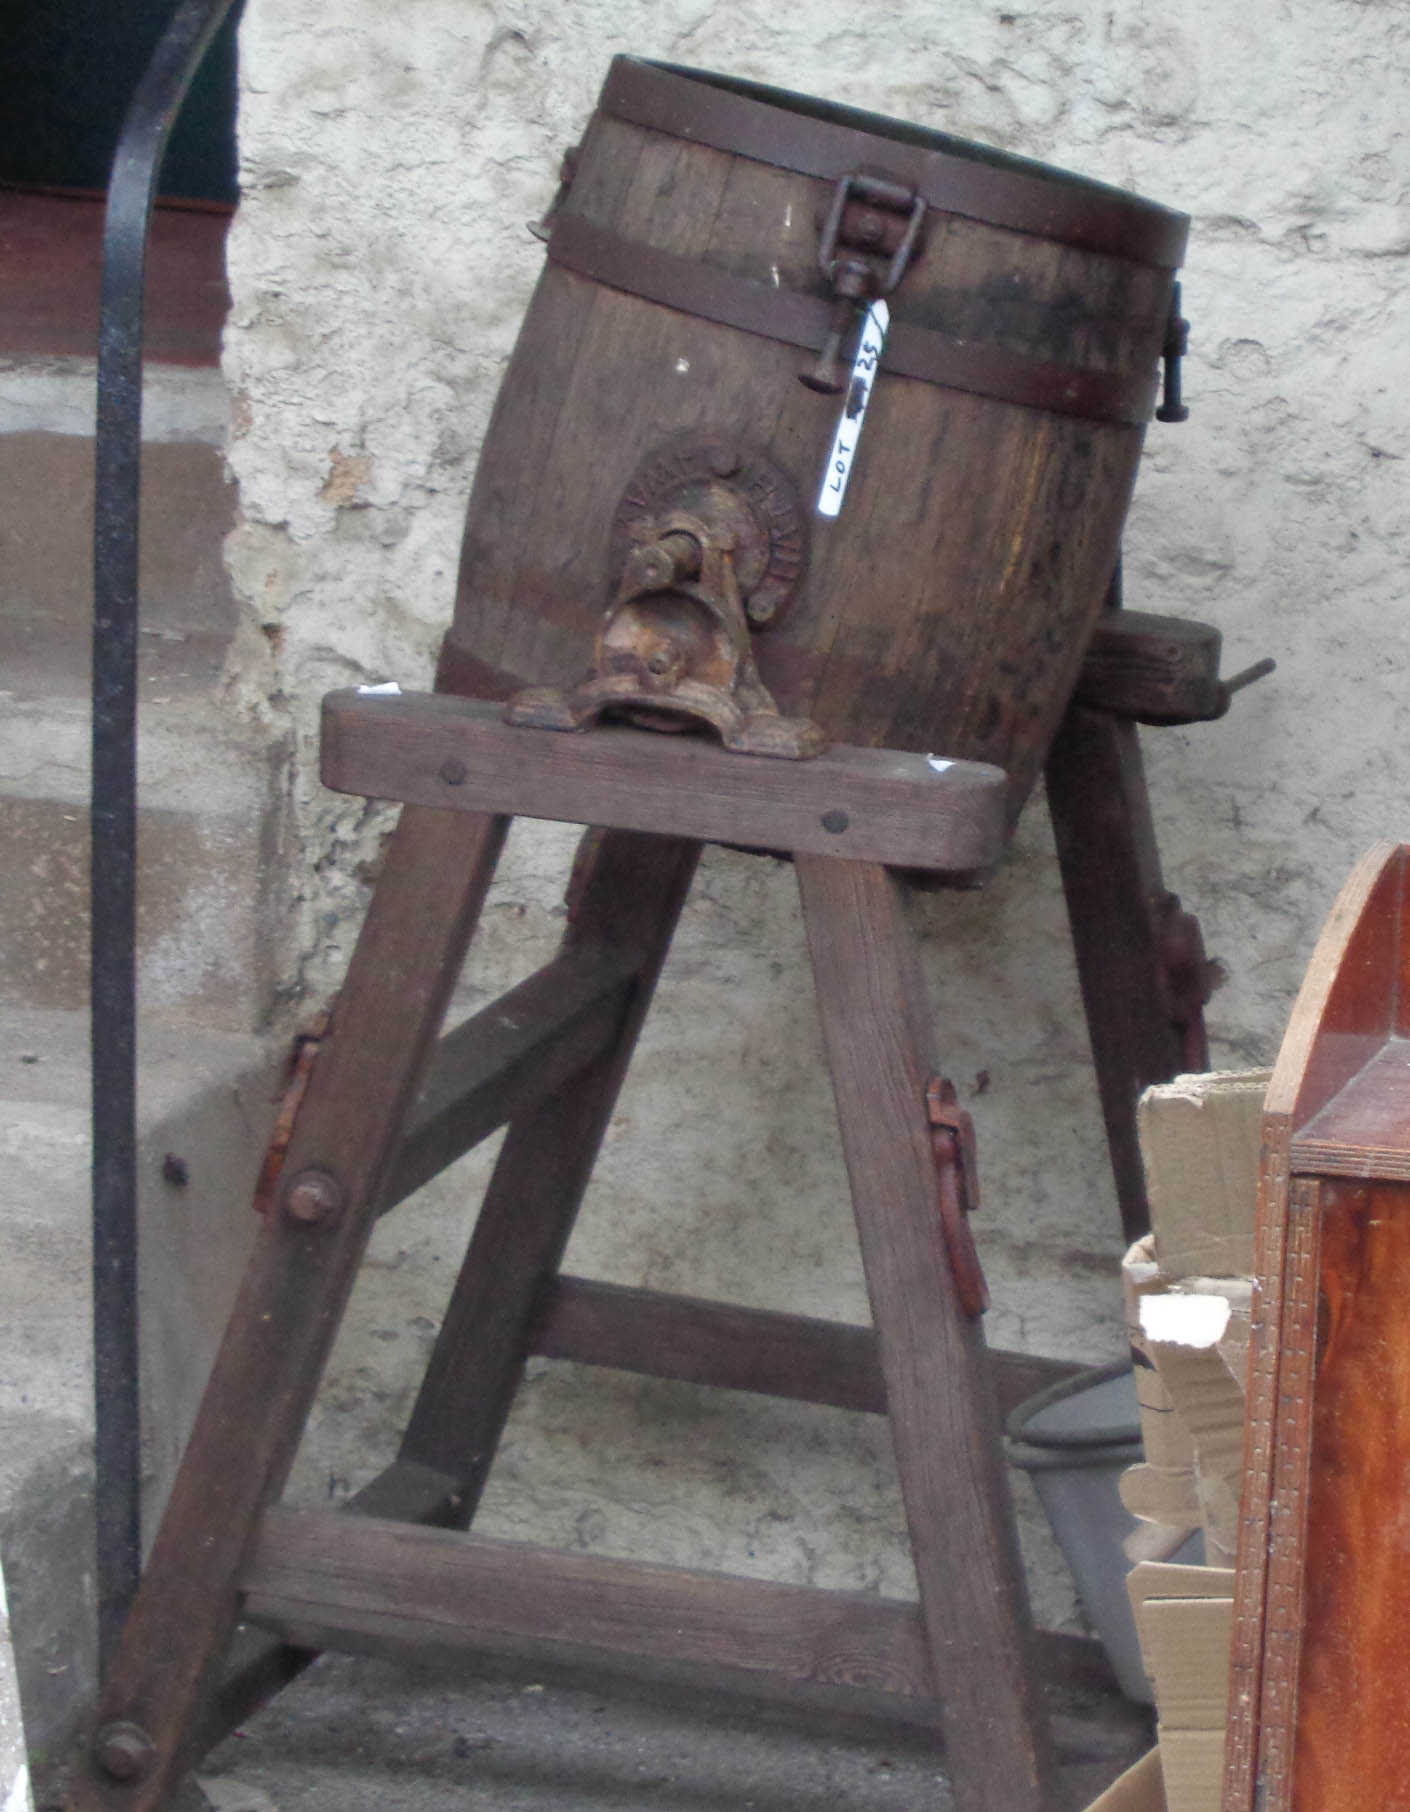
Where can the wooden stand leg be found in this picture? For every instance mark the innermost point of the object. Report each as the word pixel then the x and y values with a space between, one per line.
pixel 630 891
pixel 939 1388
pixel 438 868
pixel 1139 959
pixel 624 901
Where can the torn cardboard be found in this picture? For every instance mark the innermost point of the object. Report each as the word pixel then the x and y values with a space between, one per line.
pixel 1160 1492
pixel 1192 1769
pixel 1155 1494
pixel 1197 1337
pixel 1200 1144
pixel 1189 1306
pixel 1202 1312
pixel 1189 1295
pixel 1185 1618
pixel 1140 1789
pixel 1167 1444
pixel 1185 1642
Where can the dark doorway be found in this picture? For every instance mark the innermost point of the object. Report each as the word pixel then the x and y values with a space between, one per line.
pixel 67 72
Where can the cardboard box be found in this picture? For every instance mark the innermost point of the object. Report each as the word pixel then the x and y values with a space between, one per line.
pixel 1208 1400
pixel 1185 1618
pixel 1166 1440
pixel 1207 1312
pixel 1161 1492
pixel 1188 1292
pixel 1190 1389
pixel 1192 1769
pixel 1185 1642
pixel 1140 1789
pixel 1200 1145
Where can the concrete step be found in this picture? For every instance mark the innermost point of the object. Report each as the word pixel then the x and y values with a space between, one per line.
pixel 43 392
pixel 207 791
pixel 207 808
pixel 46 497
pixel 206 1097
pixel 46 533
pixel 206 814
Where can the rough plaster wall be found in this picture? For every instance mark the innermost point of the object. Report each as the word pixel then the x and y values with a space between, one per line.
pixel 380 266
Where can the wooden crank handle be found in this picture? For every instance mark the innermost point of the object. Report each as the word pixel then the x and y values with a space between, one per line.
pixel 1244 677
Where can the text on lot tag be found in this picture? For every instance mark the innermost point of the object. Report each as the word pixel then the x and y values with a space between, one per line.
pixel 854 409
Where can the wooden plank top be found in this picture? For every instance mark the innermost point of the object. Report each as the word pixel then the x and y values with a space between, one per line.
pixel 1365 1130
pixel 863 805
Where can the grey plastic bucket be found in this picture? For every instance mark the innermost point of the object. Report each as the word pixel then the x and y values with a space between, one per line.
pixel 1074 1441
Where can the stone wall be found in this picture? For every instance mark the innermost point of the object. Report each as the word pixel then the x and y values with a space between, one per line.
pixel 380 265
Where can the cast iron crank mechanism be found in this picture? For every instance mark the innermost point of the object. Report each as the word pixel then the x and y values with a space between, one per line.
pixel 709 542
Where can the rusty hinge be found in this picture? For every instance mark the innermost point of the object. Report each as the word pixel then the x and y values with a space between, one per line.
pixel 1185 977
pixel 871 219
pixel 297 1072
pixel 957 1174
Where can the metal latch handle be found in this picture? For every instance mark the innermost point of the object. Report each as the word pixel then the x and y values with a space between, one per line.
pixel 877 193
pixel 857 218
pixel 1177 344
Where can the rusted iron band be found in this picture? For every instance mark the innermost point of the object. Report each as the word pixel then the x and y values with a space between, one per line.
pixel 712 294
pixel 826 140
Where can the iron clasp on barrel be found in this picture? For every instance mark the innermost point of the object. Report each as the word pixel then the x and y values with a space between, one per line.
pixel 871 218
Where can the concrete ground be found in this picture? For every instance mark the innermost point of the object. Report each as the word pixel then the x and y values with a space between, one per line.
pixel 357 1735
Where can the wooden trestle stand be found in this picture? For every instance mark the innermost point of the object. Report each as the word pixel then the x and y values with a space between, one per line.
pixel 736 280
pixel 385 1108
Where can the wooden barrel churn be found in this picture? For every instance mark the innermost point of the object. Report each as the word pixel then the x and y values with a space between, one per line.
pixel 700 350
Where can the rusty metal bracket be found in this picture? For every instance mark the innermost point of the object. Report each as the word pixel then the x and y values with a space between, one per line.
pixel 1185 976
pixel 873 218
pixel 873 215
pixel 957 1177
pixel 297 1073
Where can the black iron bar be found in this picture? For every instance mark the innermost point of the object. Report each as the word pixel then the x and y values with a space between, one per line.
pixel 113 985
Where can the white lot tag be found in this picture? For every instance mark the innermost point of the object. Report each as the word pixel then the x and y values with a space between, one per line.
pixel 854 409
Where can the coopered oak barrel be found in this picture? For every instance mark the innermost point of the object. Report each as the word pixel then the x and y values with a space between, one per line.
pixel 947 605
